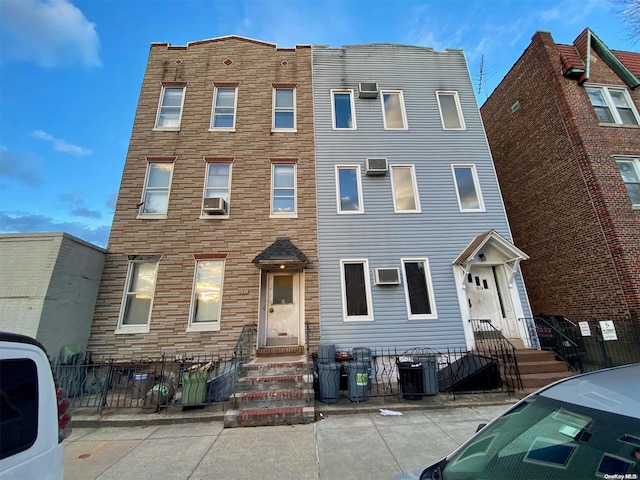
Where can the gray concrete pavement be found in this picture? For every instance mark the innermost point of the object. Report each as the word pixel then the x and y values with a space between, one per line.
pixel 358 446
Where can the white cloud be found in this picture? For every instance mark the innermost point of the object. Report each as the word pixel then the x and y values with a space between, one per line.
pixel 48 32
pixel 62 145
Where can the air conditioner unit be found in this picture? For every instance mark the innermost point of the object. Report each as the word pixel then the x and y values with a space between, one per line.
pixel 376 166
pixel 214 206
pixel 387 276
pixel 368 90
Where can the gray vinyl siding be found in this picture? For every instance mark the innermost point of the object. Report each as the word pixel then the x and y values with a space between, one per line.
pixel 440 232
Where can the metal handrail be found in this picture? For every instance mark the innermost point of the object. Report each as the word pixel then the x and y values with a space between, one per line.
pixel 556 331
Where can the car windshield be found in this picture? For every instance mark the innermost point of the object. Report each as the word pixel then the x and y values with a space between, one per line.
pixel 551 439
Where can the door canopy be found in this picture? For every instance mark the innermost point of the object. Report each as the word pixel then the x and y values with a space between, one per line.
pixel 491 248
pixel 281 255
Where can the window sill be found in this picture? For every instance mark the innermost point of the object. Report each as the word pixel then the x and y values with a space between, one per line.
pixel 404 129
pixel 413 318
pixel 344 129
pixel 400 212
pixel 152 217
pixel 157 129
pixel 283 215
pixel 618 125
pixel 205 327
pixel 284 130
pixel 474 211
pixel 222 130
pixel 635 207
pixel 214 217
pixel 350 213
pixel 454 129
pixel 130 330
pixel 353 319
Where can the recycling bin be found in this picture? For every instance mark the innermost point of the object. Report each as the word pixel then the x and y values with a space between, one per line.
pixel 362 355
pixel 411 380
pixel 326 353
pixel 329 382
pixel 358 378
pixel 142 382
pixel 194 387
pixel 429 374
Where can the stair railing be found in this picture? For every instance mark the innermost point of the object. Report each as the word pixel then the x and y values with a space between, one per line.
pixel 491 342
pixel 245 346
pixel 565 348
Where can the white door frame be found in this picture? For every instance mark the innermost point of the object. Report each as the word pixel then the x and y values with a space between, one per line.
pixel 265 305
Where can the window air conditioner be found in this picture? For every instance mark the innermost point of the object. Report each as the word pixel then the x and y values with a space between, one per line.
pixel 376 166
pixel 387 276
pixel 368 90
pixel 214 205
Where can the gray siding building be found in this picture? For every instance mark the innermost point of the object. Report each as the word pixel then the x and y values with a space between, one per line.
pixel 48 287
pixel 412 232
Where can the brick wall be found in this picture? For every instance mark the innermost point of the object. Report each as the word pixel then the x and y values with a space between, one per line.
pixel 247 232
pixel 566 202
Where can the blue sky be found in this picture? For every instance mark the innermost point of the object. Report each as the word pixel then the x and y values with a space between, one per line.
pixel 71 71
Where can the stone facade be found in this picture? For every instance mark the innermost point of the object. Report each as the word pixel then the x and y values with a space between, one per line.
pixel 255 67
pixel 567 203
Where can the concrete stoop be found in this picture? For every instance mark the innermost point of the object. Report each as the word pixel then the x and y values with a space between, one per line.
pixel 272 391
pixel 539 368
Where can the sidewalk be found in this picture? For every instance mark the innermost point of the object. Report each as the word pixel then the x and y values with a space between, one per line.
pixel 349 441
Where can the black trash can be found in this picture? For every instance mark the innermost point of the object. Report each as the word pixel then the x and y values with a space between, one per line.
pixel 358 373
pixel 329 382
pixel 411 380
pixel 429 374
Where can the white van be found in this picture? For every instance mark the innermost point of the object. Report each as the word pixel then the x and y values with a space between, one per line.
pixel 34 415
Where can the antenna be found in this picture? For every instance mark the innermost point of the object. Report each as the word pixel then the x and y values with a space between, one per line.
pixel 480 75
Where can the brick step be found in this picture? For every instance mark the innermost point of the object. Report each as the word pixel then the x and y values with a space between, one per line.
pixel 273 398
pixel 280 351
pixel 539 380
pixel 273 382
pixel 272 368
pixel 530 355
pixel 269 416
pixel 542 367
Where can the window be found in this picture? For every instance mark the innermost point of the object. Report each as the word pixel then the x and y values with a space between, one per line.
pixel 19 418
pixel 138 297
pixel 349 189
pixel 468 188
pixel 450 111
pixel 356 290
pixel 417 289
pixel 284 109
pixel 155 198
pixel 223 116
pixel 283 189
pixel 404 186
pixel 170 108
pixel 206 301
pixel 613 105
pixel 342 110
pixel 629 169
pixel 218 183
pixel 393 112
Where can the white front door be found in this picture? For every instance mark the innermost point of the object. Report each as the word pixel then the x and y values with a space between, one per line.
pixel 283 309
pixel 482 295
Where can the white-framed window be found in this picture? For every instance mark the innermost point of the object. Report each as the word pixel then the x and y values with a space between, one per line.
pixel 613 105
pixel 206 298
pixel 284 109
pixel 629 168
pixel 393 113
pixel 170 108
pixel 137 301
pixel 343 113
pixel 349 189
pixel 283 190
pixel 223 114
pixel 356 290
pixel 418 289
pixel 217 183
pixel 467 185
pixel 155 194
pixel 405 189
pixel 450 111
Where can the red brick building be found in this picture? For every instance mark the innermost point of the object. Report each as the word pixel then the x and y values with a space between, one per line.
pixel 216 214
pixel 563 127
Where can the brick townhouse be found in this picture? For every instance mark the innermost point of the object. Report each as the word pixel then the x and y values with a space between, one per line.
pixel 216 215
pixel 563 130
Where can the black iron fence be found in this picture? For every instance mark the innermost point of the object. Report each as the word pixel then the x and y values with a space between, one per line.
pixel 362 372
pixel 589 344
pixel 146 383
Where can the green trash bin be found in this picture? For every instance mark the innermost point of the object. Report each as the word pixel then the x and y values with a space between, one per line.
pixel 194 387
